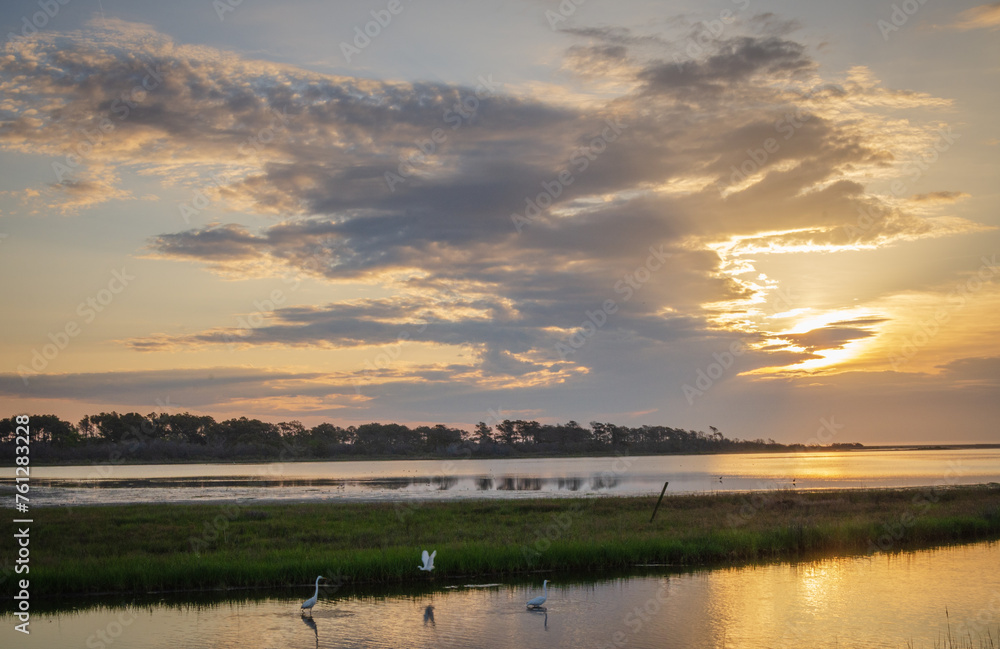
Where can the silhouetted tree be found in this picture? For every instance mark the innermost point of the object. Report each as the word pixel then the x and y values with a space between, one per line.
pixel 483 435
pixel 506 432
pixel 186 436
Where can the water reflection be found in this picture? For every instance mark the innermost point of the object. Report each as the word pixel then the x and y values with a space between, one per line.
pixel 524 478
pixel 873 601
pixel 571 484
pixel 543 613
pixel 519 483
pixel 603 482
pixel 311 623
pixel 445 482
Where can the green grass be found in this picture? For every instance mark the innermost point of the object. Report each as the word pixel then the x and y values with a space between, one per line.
pixel 145 548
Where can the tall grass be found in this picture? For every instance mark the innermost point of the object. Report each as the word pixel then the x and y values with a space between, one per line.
pixel 148 548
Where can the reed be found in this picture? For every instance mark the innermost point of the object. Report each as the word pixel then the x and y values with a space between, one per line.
pixel 148 548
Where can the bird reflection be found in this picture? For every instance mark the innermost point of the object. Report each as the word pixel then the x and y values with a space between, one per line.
pixel 309 622
pixel 544 612
pixel 429 615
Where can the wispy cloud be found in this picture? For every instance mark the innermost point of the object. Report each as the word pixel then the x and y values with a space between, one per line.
pixel 981 17
pixel 939 197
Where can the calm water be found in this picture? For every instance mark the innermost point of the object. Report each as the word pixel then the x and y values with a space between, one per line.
pixel 877 601
pixel 454 479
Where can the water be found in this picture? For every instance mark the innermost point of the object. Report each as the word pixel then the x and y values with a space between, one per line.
pixel 520 478
pixel 868 602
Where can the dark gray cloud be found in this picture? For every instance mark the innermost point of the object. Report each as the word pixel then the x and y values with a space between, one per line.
pixel 736 60
pixel 214 244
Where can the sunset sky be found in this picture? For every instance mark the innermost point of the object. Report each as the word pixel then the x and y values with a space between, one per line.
pixel 777 218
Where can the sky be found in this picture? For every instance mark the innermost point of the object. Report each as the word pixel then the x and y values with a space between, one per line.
pixel 776 218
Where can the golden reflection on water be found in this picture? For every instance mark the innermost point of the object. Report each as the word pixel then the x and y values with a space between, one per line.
pixel 876 601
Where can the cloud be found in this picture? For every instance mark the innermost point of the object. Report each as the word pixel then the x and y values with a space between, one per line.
pixel 216 243
pixel 981 17
pixel 939 197
pixel 828 337
pixel 651 202
pixel 737 60
pixel 981 371
pixel 192 388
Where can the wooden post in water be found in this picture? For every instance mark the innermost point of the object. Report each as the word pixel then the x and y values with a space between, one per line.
pixel 659 501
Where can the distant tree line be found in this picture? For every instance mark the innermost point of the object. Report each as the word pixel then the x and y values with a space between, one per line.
pixel 185 437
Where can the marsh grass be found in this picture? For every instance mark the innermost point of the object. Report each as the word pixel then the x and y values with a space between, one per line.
pixel 986 639
pixel 149 548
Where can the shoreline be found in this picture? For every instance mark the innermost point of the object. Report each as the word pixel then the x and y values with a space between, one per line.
pixel 133 549
pixel 121 461
pixel 416 501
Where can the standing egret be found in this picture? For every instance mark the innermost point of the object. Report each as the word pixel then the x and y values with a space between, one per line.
pixel 538 601
pixel 428 561
pixel 309 603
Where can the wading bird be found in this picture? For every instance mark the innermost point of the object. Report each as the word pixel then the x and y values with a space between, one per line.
pixel 309 603
pixel 538 601
pixel 428 561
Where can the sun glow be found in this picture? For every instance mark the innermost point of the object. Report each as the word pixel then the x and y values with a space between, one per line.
pixel 820 320
pixel 787 323
pixel 849 351
pixel 832 357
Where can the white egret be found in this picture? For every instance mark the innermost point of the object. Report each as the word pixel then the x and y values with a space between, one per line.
pixel 428 561
pixel 309 603
pixel 538 601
